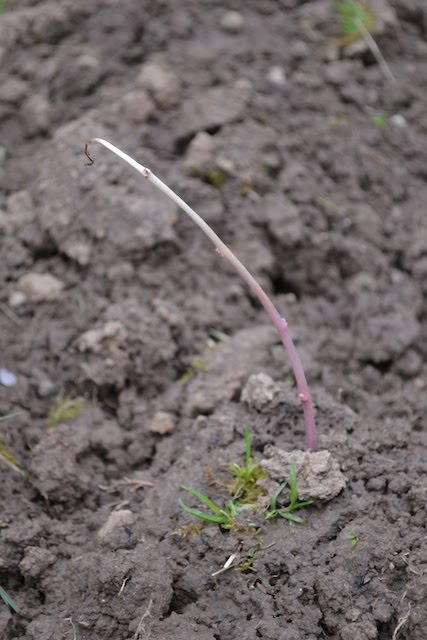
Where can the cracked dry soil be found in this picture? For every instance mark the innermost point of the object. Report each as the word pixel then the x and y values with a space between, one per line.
pixel 312 166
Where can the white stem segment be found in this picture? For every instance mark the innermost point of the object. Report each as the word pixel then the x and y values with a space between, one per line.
pixel 278 321
pixel 375 50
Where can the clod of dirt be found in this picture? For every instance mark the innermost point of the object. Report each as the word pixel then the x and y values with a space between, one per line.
pixel 162 83
pixel 318 474
pixel 259 391
pixel 199 159
pixel 137 106
pixel 35 561
pixel 162 423
pixel 92 340
pixel 214 108
pixel 36 114
pixel 118 530
pixel 40 287
pixel 78 251
pixel 232 21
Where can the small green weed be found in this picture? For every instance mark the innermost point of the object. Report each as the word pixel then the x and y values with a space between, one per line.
pixel 215 178
pixel 5 454
pixel 65 408
pixel 328 205
pixel 287 512
pixel 247 563
pixel 197 365
pixel 8 600
pixel 226 518
pixel 246 488
pixel 353 538
pixel 2 6
pixel 188 530
pixel 353 15
pixel 335 122
pixel 380 120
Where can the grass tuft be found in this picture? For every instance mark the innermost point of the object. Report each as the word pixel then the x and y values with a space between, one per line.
pixel 225 518
pixel 245 488
pixel 287 512
pixel 65 408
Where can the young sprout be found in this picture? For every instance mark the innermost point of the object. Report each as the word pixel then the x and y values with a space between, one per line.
pixel 8 600
pixel 353 539
pixel 65 408
pixel 278 321
pixel 226 518
pixel 245 487
pixel 5 454
pixel 286 512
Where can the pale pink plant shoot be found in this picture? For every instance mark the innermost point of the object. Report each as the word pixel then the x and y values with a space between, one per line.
pixel 278 321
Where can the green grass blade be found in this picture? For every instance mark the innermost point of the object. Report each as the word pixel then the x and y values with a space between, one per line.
pixel 201 515
pixel 290 516
pixel 276 494
pixel 11 415
pixel 300 505
pixel 7 456
pixel 207 501
pixel 8 600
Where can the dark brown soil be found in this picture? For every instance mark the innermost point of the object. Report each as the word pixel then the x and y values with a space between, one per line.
pixel 315 173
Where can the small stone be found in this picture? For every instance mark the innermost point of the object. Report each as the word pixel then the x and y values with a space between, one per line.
pixel 46 388
pixel 162 423
pixel 299 50
pixel 276 75
pixel 215 107
pixel 259 391
pixel 13 91
pixel 137 106
pixel 80 252
pixel 232 21
pixel 35 561
pixel 36 114
pixel 318 474
pixel 199 157
pixel 17 299
pixel 116 520
pixel 92 340
pixel 397 120
pixel 40 287
pixel 120 271
pixel 338 73
pixel 7 378
pixel 409 364
pixel 163 84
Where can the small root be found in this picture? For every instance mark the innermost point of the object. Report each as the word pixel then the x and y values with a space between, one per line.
pixel 87 154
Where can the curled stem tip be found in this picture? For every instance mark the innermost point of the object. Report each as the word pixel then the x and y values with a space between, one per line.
pixel 87 154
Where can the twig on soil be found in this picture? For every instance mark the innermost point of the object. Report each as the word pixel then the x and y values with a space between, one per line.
pixel 123 586
pixel 278 321
pixel 11 315
pixel 133 483
pixel 375 50
pixel 401 622
pixel 70 620
pixel 410 566
pixel 141 626
pixel 227 565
